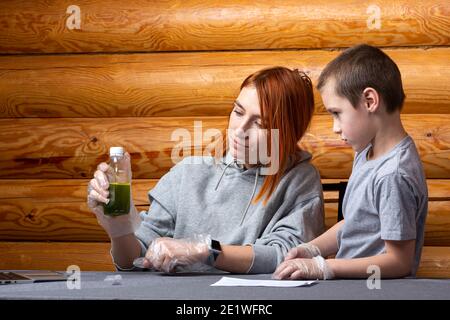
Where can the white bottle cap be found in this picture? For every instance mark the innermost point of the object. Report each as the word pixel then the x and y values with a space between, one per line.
pixel 116 151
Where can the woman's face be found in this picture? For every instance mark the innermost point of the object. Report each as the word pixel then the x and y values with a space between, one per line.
pixel 245 127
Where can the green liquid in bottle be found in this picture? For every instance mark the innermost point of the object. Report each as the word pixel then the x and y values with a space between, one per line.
pixel 119 199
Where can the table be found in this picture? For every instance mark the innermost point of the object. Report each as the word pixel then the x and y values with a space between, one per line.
pixel 159 286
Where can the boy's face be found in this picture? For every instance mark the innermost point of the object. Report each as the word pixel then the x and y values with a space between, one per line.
pixel 354 125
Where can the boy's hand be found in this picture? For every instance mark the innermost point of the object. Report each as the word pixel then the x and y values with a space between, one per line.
pixel 315 268
pixel 305 250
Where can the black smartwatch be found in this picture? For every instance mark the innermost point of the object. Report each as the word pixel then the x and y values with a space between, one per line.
pixel 215 249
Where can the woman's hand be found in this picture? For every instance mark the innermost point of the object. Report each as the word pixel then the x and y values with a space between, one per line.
pixel 165 254
pixel 305 250
pixel 97 196
pixel 98 189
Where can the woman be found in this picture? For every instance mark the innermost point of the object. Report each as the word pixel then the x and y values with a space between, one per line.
pixel 211 213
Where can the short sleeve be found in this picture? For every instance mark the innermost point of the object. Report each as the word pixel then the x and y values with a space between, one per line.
pixel 397 207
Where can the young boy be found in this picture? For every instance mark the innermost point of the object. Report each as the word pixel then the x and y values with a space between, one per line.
pixel 386 200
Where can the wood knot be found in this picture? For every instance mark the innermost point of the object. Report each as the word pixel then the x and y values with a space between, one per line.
pixel 429 134
pixel 30 216
pixel 94 139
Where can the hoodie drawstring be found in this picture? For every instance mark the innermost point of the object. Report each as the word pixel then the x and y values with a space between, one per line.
pixel 223 172
pixel 253 191
pixel 251 197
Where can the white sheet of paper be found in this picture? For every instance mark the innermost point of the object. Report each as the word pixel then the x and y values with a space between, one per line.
pixel 235 282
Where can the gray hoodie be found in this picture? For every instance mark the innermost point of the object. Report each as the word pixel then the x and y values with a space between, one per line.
pixel 200 196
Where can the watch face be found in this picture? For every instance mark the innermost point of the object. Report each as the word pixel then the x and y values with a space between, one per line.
pixel 215 245
pixel 216 249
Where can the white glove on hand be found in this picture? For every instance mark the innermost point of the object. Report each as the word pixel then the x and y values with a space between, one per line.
pixel 305 250
pixel 98 195
pixel 167 254
pixel 315 268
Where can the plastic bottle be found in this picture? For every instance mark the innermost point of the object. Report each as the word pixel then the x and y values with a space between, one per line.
pixel 119 177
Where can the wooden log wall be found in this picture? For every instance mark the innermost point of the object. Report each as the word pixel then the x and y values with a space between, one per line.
pixel 43 26
pixel 77 79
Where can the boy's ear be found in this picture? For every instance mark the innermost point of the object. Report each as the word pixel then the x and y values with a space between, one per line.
pixel 371 99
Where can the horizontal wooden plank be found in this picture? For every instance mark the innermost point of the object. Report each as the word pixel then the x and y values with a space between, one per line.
pixel 88 256
pixel 74 191
pixel 184 84
pixel 437 225
pixel 106 26
pixel 72 148
pixel 435 261
pixel 55 210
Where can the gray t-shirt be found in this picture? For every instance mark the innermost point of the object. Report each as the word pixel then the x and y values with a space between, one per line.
pixel 386 199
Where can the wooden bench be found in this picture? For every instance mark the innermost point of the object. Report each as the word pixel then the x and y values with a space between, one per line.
pixel 62 107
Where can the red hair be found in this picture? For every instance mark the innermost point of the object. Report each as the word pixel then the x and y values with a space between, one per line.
pixel 286 103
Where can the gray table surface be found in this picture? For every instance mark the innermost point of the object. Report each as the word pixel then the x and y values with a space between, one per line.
pixel 158 286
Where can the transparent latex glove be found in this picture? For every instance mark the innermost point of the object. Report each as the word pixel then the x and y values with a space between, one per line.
pixel 97 195
pixel 172 255
pixel 305 250
pixel 315 268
